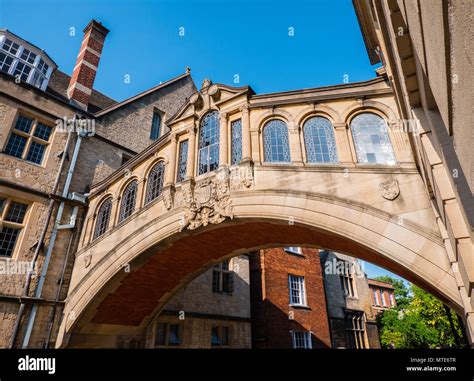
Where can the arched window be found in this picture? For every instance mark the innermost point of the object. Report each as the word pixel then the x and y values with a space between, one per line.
pixel 129 198
pixel 209 143
pixel 103 218
pixel 275 142
pixel 155 182
pixel 371 140
pixel 319 141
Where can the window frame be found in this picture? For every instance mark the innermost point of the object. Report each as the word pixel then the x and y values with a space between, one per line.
pixel 21 226
pixel 221 273
pixel 354 143
pixel 301 290
pixel 167 334
pixel 264 130
pixel 182 162
pixel 36 68
pixel 96 217
pixel 306 126
pixel 121 214
pixel 215 114
pixel 358 335
pixel 30 138
pixel 148 199
pixel 307 339
pixel 235 152
pixel 220 329
pixel 348 284
pixel 155 131
pixel 290 250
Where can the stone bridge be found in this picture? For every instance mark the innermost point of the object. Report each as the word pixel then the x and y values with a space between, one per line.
pixel 237 172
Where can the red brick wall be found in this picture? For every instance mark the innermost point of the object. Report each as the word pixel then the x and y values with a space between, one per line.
pixel 269 291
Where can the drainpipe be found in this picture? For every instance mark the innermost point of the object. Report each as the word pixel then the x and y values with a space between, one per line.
pixel 58 291
pixel 54 234
pixel 40 243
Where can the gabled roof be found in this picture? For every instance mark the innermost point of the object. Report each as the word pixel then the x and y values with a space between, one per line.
pixel 117 105
pixel 235 91
pixel 59 82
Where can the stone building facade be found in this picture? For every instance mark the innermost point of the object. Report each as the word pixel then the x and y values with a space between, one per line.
pixel 106 216
pixel 349 305
pixel 425 48
pixel 39 118
pixel 212 311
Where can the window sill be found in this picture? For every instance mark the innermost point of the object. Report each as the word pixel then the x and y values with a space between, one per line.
pixel 351 297
pixel 300 307
pixel 294 253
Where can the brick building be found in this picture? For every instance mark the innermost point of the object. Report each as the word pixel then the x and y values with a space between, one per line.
pixel 382 295
pixel 349 306
pixel 287 299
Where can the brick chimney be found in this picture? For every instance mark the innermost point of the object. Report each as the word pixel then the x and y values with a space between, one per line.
pixel 82 79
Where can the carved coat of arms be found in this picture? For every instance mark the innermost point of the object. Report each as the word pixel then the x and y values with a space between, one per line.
pixel 210 204
pixel 390 189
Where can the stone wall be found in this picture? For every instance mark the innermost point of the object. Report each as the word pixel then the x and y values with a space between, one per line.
pixel 130 124
pixel 337 302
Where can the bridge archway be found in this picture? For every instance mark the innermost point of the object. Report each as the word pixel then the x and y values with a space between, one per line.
pixel 163 256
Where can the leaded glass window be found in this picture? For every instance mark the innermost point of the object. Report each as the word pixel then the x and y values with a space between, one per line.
pixel 275 142
pixel 319 141
pixel 155 182
pixel 371 140
pixel 103 218
pixel 12 218
pixel 129 198
pixel 24 130
pixel 209 143
pixel 355 328
pixel 236 146
pixel 182 161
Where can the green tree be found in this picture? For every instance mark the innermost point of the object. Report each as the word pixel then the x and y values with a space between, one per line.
pixel 419 320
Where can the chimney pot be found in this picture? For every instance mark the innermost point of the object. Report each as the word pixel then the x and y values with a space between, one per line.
pixel 82 80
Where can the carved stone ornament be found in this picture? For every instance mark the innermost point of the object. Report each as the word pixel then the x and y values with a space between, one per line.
pixel 242 176
pixel 168 197
pixel 390 189
pixel 3 111
pixel 87 260
pixel 209 205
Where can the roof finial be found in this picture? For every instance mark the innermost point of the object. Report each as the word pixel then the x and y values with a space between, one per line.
pixel 206 83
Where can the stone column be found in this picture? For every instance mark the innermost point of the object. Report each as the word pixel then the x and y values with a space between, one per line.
pixel 296 154
pixel 246 148
pixel 171 167
pixel 190 170
pixel 344 152
pixel 223 140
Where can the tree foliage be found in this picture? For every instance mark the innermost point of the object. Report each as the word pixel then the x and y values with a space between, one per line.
pixel 419 320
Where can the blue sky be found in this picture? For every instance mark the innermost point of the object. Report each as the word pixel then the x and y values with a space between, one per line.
pixel 222 39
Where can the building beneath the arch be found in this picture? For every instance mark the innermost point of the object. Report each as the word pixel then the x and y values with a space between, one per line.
pixel 174 169
pixel 382 295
